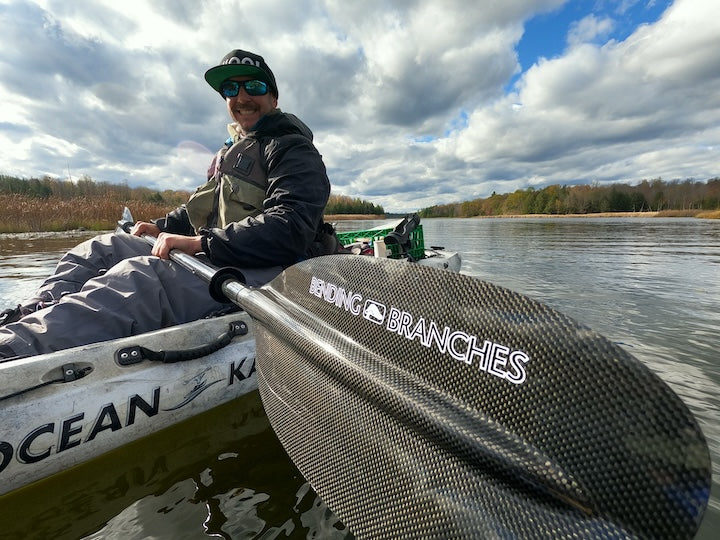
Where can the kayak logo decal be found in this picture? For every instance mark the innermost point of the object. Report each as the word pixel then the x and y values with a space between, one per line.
pixel 493 358
pixel 200 384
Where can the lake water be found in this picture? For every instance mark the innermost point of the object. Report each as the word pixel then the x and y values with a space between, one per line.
pixel 652 285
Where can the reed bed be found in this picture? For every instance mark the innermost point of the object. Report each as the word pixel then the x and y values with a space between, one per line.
pixel 21 213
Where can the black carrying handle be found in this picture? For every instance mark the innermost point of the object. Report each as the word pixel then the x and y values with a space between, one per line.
pixel 137 353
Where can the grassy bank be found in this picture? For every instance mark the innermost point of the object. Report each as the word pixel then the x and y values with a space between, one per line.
pixel 21 213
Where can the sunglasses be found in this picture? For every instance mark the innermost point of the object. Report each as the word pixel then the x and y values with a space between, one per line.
pixel 230 89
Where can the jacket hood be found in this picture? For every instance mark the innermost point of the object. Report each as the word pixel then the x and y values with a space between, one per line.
pixel 280 123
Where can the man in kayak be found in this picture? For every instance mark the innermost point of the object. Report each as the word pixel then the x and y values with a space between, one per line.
pixel 260 210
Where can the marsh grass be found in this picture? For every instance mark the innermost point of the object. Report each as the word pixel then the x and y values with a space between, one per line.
pixel 21 213
pixel 702 214
pixel 678 213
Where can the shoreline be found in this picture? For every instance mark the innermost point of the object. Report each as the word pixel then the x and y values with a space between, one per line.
pixel 347 217
pixel 707 214
pixel 700 214
pixel 589 215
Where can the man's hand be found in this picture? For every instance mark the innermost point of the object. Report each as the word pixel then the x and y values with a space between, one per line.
pixel 142 227
pixel 166 241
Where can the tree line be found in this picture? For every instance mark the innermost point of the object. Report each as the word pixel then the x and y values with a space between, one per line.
pixel 648 196
pixel 85 187
pixel 342 204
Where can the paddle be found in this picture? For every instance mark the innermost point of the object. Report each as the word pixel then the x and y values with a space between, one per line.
pixel 422 403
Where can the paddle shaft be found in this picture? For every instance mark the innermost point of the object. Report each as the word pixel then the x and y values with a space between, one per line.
pixel 224 283
pixel 256 304
pixel 193 264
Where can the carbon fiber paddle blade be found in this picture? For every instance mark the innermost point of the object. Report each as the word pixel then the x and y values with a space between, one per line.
pixel 425 404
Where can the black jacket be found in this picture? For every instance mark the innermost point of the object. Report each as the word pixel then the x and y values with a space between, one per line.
pixel 297 192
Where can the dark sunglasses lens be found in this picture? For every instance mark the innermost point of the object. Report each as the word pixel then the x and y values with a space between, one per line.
pixel 255 88
pixel 229 89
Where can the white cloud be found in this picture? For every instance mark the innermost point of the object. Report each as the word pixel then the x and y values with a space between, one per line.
pixel 589 29
pixel 622 111
pixel 407 100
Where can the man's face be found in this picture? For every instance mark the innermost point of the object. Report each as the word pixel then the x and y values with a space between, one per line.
pixel 245 109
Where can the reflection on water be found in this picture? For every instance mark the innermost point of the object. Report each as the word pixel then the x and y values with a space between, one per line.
pixel 27 259
pixel 652 285
pixel 216 475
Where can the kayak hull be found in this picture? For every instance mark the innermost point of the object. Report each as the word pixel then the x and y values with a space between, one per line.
pixel 442 259
pixel 49 428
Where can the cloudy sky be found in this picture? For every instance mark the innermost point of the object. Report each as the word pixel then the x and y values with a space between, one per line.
pixel 412 102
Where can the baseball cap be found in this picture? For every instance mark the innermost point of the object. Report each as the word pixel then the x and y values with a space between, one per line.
pixel 239 62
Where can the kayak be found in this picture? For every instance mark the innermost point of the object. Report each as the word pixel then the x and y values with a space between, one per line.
pixel 61 409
